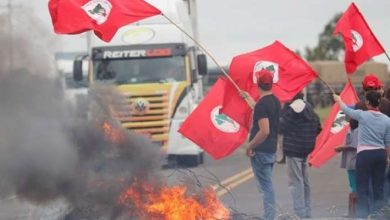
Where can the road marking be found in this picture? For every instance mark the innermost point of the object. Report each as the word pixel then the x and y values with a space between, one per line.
pixel 228 188
pixel 233 181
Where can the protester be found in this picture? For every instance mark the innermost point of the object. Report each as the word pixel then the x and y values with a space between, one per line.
pixel 387 181
pixel 280 157
pixel 263 139
pixel 348 162
pixel 387 94
pixel 300 126
pixel 371 161
pixel 372 83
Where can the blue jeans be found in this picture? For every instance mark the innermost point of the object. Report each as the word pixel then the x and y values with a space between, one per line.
pixel 370 165
pixel 386 188
pixel 262 164
pixel 299 186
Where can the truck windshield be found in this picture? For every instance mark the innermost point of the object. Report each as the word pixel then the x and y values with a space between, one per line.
pixel 141 70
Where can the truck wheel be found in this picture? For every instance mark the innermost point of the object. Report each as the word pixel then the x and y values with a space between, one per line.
pixel 189 160
pixel 201 158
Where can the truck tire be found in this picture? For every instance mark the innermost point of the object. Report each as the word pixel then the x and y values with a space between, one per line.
pixel 201 158
pixel 189 160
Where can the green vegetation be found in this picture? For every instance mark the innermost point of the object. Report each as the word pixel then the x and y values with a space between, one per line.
pixel 322 113
pixel 328 47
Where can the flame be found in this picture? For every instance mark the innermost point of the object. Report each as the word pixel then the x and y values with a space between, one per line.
pixel 172 203
pixel 110 133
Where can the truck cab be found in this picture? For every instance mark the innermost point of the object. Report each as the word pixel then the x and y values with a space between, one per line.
pixel 158 71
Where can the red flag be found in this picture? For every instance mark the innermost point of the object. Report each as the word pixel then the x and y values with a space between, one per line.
pixel 291 75
pixel 105 17
pixel 334 129
pixel 237 107
pixel 359 41
pixel 216 133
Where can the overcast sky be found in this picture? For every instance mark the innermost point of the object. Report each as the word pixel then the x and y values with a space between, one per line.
pixel 230 27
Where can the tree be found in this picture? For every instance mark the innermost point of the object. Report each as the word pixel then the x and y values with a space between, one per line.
pixel 329 47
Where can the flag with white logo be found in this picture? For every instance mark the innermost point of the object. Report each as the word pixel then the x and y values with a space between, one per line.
pixel 104 17
pixel 335 128
pixel 290 75
pixel 359 41
pixel 214 132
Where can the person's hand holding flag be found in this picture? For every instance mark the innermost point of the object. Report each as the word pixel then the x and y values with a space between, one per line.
pixel 334 128
pixel 337 98
pixel 245 95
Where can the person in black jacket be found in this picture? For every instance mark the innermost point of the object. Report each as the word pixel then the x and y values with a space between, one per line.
pixel 299 125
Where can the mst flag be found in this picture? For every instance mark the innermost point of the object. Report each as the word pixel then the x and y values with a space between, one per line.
pixel 237 106
pixel 291 75
pixel 216 133
pixel 105 17
pixel 359 41
pixel 334 129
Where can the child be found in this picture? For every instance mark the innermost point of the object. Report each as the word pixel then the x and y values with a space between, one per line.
pixel 348 161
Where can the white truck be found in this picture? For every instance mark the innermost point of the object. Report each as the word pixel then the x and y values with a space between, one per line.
pixel 74 92
pixel 159 71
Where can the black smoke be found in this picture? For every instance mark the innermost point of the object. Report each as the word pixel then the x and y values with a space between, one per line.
pixel 48 150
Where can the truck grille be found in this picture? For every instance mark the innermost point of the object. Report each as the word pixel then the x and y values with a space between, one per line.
pixel 154 122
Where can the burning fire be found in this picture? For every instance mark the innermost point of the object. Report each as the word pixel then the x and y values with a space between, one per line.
pixel 111 133
pixel 172 203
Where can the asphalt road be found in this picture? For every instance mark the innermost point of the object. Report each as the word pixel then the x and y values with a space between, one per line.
pixel 234 183
pixel 329 186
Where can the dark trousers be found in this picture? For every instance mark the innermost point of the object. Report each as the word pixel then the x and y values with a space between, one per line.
pixel 370 165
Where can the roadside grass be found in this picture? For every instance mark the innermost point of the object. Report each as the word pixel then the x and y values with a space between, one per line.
pixel 322 112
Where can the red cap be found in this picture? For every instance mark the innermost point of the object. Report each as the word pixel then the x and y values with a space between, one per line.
pixel 371 81
pixel 264 77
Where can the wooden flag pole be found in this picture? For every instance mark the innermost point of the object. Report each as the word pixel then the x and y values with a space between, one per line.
pixel 326 84
pixel 204 49
pixel 219 66
pixel 387 55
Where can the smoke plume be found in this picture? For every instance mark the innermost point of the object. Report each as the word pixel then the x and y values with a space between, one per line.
pixel 48 150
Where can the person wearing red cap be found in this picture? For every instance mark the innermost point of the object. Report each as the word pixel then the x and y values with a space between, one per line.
pixel 372 83
pixel 263 138
pixel 373 150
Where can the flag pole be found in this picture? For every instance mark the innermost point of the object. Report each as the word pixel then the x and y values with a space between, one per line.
pixel 387 55
pixel 326 84
pixel 204 49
